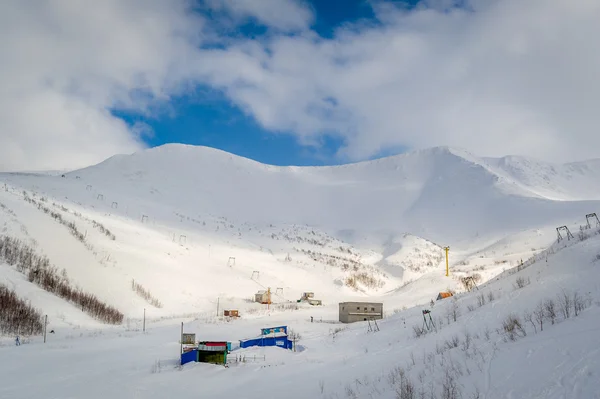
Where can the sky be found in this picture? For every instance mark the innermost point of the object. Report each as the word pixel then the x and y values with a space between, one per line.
pixel 296 81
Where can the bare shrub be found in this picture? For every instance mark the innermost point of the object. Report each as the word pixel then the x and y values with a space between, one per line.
pixel 469 282
pixel 40 272
pixel 513 328
pixel 487 333
pixel 366 279
pixel 452 342
pixel 491 296
pixel 419 331
pixel 470 308
pixel 17 316
pixel 528 316
pixel 579 303
pixel 550 310
pixel 539 315
pixel 144 293
pixel 450 389
pixel 521 282
pixel 403 385
pixel 103 230
pixel 453 311
pixel 480 300
pixel 466 343
pixel 565 303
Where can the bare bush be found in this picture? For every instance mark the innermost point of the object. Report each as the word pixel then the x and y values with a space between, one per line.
pixel 491 296
pixel 452 342
pixel 521 282
pixel 550 310
pixel 513 328
pixel 144 293
pixel 17 316
pixel 565 303
pixel 453 311
pixel 466 343
pixel 419 331
pixel 450 389
pixel 366 279
pixel 470 308
pixel 469 282
pixel 480 300
pixel 103 230
pixel 579 303
pixel 528 316
pixel 40 272
pixel 539 315
pixel 487 333
pixel 403 385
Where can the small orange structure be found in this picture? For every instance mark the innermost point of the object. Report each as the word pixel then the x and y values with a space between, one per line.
pixel 443 295
pixel 231 313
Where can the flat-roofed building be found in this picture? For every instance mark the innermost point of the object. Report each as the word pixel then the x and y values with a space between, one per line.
pixel 351 312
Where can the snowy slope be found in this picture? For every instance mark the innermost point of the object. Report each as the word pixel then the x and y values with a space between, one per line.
pixel 427 193
pixel 569 182
pixel 194 224
pixel 468 355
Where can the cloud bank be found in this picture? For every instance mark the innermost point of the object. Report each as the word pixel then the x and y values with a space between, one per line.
pixel 495 77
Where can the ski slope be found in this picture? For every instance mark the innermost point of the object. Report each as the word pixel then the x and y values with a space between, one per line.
pixel 202 231
pixel 471 357
pixel 195 226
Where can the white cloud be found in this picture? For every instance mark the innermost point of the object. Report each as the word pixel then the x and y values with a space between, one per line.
pixel 501 77
pixel 504 76
pixel 285 15
pixel 66 64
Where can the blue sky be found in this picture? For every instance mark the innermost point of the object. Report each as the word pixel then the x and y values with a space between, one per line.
pixel 297 82
pixel 209 119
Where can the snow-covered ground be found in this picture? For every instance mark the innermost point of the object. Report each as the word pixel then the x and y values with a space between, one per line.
pixel 201 229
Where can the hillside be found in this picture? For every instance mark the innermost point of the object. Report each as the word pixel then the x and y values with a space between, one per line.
pixel 193 226
pixel 475 349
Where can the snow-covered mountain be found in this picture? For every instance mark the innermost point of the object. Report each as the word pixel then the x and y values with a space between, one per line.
pixel 427 193
pixel 187 218
pixel 178 232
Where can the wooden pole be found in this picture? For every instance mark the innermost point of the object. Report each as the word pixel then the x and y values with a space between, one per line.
pixel 181 341
pixel 144 325
pixel 217 307
pixel 45 324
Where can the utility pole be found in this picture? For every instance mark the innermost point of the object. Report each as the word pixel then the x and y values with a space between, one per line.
pixel 217 307
pixel 447 269
pixel 45 324
pixel 144 325
pixel 181 341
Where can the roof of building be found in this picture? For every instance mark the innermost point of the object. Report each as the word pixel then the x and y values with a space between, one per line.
pixel 361 303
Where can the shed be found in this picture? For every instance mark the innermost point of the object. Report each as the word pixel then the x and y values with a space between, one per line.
pixel 212 352
pixel 263 297
pixel 443 295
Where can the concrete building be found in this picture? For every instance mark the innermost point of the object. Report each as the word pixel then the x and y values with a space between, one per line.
pixel 351 312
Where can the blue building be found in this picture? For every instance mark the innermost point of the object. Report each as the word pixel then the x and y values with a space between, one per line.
pixel 273 336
